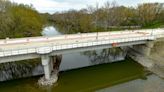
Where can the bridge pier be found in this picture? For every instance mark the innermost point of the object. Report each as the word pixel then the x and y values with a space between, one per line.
pixel 45 59
pixel 149 45
pixel 50 77
pixel 144 49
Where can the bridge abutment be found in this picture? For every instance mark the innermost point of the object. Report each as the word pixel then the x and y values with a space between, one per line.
pixel 141 53
pixel 144 49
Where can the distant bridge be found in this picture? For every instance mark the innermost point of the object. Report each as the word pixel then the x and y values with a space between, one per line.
pixel 35 47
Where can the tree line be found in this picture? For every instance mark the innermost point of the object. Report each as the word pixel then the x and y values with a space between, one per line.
pixel 18 20
pixel 110 16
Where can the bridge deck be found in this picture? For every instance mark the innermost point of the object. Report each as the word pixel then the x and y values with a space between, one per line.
pixel 67 39
pixel 41 45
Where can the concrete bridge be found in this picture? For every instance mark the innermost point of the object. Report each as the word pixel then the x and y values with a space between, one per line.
pixel 46 47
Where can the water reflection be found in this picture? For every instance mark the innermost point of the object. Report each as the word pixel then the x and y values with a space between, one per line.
pixel 50 31
pixel 105 55
pixel 14 70
pixel 89 58
pixel 83 80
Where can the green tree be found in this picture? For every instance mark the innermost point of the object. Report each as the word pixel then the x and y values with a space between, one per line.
pixel 19 20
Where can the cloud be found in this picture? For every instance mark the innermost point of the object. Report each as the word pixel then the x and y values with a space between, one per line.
pixel 147 1
pixel 52 6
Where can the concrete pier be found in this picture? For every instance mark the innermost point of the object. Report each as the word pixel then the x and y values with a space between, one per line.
pixel 149 45
pixel 50 75
pixel 143 49
pixel 45 59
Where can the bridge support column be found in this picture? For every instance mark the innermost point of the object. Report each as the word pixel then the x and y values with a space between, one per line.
pixel 149 46
pixel 49 77
pixel 144 49
pixel 46 65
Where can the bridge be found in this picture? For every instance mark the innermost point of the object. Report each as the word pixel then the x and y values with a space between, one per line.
pixel 12 50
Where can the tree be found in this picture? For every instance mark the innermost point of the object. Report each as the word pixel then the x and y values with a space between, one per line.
pixel 19 20
pixel 149 12
pixel 6 19
pixel 110 16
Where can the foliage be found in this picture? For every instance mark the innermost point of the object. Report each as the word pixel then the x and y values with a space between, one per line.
pixel 110 16
pixel 150 13
pixel 19 20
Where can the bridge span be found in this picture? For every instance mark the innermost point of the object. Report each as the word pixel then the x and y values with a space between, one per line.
pixel 35 47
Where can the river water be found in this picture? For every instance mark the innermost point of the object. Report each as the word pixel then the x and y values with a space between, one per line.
pixel 89 71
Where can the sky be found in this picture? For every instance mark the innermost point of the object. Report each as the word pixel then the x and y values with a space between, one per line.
pixel 52 6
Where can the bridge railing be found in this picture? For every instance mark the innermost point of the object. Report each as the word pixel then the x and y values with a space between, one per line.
pixel 63 37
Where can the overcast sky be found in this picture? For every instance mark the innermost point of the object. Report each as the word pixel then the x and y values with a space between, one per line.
pixel 52 6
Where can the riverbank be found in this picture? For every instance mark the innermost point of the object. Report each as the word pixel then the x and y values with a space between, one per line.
pixel 82 80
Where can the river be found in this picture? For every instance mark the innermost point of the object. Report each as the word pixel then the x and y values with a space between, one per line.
pixel 106 70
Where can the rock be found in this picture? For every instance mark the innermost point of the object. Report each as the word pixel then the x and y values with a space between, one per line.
pixel 43 82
